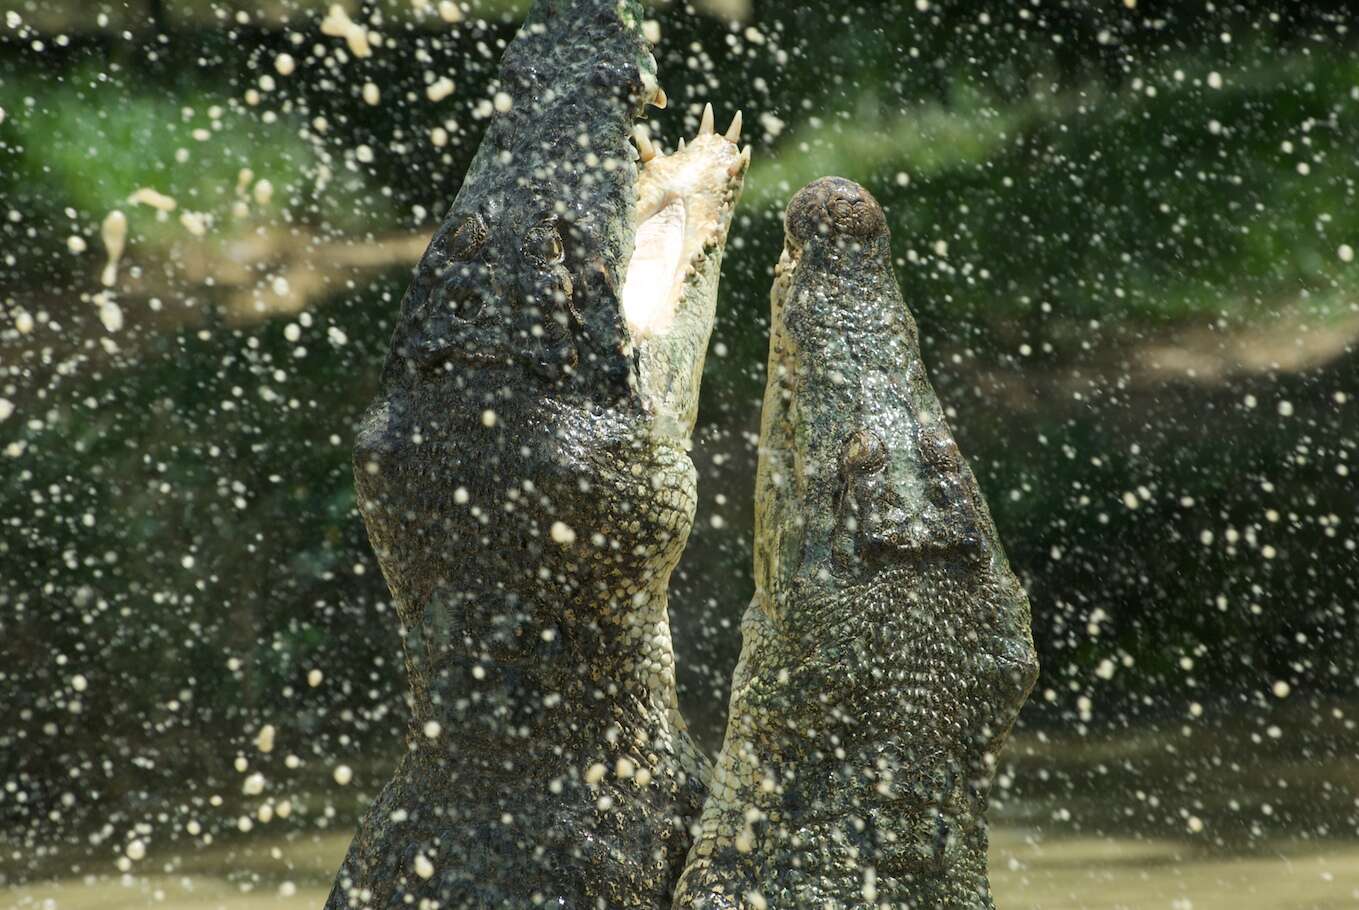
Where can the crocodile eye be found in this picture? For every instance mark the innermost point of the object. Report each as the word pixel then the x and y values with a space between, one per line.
pixel 864 453
pixel 543 245
pixel 939 451
pixel 468 238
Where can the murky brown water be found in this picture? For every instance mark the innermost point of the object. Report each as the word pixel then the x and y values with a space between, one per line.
pixel 1028 872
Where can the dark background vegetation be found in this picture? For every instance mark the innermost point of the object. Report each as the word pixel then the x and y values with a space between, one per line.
pixel 1121 227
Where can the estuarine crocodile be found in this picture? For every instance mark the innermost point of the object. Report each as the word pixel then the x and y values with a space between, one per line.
pixel 525 482
pixel 887 649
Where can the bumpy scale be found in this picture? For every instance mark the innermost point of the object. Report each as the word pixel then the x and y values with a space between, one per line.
pixel 525 482
pixel 887 649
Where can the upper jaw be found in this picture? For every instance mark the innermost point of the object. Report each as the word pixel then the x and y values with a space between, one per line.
pixel 524 270
pixel 859 474
pixel 533 270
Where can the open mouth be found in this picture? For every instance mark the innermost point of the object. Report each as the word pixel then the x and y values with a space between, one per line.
pixel 684 203
pixel 683 211
pixel 500 283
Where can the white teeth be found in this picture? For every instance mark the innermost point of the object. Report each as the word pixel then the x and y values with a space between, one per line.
pixel 742 163
pixel 734 131
pixel 645 149
pixel 745 158
pixel 655 95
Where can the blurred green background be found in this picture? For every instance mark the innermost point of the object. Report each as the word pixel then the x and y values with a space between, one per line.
pixel 1125 228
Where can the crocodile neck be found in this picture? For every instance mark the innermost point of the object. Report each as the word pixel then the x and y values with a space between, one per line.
pixel 498 611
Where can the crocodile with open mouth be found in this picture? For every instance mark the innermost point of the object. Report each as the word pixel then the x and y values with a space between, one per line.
pixel 887 649
pixel 525 482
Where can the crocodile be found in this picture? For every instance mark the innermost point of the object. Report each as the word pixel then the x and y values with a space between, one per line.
pixel 887 649
pixel 525 481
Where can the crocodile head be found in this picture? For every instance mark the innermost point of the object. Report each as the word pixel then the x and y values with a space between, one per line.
pixel 578 264
pixel 881 587
pixel 543 377
pixel 525 481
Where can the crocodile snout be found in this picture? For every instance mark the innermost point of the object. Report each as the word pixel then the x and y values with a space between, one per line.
pixel 833 207
pixel 881 588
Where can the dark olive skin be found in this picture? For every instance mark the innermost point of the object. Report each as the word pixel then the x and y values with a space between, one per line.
pixel 527 519
pixel 887 650
pixel 527 505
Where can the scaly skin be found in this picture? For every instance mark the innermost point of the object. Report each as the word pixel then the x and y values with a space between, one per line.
pixel 525 483
pixel 887 649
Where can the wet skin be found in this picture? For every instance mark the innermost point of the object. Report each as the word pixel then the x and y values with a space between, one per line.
pixel 525 483
pixel 527 513
pixel 887 649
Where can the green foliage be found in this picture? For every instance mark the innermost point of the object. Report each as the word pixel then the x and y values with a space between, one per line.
pixel 87 144
pixel 1161 202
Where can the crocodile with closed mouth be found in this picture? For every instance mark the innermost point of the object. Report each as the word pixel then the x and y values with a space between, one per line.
pixel 887 649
